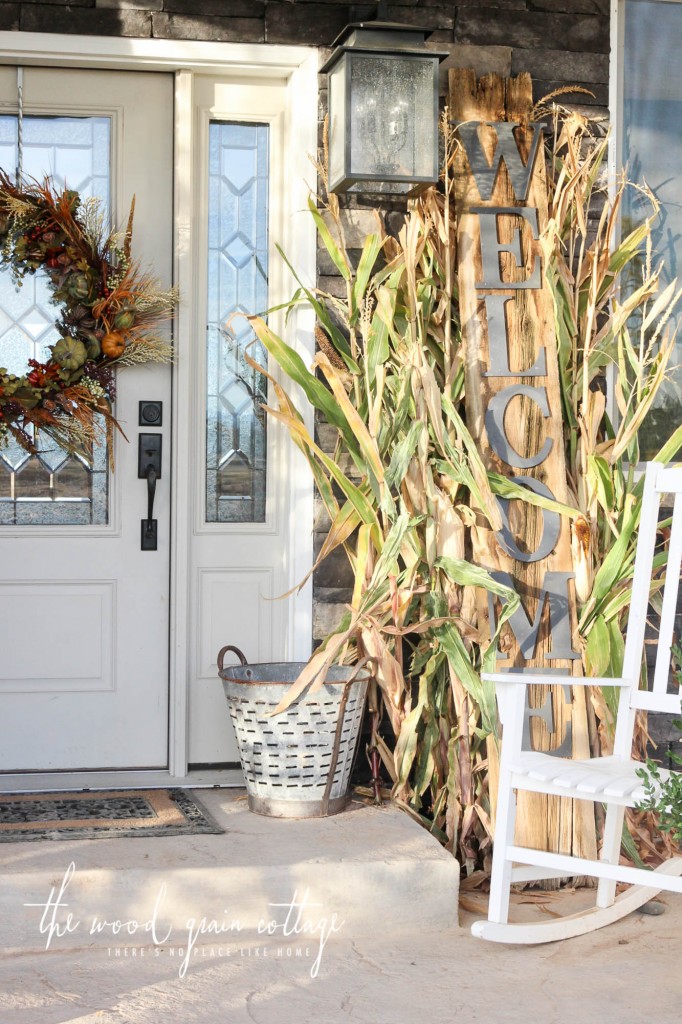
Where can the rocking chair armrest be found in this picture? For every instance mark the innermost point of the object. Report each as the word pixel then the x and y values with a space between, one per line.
pixel 550 679
pixel 511 695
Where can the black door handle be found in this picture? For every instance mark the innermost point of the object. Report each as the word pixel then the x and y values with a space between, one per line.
pixel 151 492
pixel 149 468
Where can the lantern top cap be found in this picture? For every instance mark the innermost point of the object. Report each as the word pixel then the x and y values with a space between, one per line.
pixel 390 37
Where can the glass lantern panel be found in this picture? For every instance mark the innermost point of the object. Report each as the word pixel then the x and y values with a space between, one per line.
pixel 337 122
pixel 392 127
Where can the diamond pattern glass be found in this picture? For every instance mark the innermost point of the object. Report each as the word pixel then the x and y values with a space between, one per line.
pixel 51 488
pixel 237 284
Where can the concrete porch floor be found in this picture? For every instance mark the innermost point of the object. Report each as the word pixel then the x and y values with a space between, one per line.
pixel 394 953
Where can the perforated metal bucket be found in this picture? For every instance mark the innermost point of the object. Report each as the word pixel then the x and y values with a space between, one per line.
pixel 289 761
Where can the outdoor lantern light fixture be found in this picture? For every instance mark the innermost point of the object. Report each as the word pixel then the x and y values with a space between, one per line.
pixel 383 110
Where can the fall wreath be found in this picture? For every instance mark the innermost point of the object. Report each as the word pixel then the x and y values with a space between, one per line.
pixel 110 314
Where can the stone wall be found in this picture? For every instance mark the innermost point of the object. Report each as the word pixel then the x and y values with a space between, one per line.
pixel 560 42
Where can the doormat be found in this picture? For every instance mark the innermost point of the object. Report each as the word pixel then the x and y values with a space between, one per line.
pixel 129 813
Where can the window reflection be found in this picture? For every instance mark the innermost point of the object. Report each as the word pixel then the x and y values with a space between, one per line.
pixel 652 152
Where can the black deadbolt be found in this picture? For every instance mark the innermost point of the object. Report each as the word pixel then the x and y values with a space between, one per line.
pixel 151 414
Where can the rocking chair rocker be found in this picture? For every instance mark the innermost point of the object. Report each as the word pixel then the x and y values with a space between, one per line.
pixel 612 780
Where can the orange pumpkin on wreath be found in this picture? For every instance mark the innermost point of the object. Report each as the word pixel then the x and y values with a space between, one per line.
pixel 113 344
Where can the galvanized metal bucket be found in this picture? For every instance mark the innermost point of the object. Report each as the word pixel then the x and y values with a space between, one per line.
pixel 296 764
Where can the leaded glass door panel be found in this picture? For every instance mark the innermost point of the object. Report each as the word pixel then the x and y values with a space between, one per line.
pixel 237 284
pixel 53 487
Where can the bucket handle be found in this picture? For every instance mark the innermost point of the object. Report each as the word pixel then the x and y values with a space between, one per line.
pixel 235 650
pixel 337 736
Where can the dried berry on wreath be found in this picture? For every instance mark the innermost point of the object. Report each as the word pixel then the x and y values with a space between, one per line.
pixel 111 312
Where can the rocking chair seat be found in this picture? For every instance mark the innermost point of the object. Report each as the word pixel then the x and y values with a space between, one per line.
pixel 596 779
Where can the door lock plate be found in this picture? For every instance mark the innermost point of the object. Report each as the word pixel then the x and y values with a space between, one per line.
pixel 149 535
pixel 149 454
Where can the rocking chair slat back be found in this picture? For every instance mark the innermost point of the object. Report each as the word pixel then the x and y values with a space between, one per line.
pixel 670 598
pixel 657 697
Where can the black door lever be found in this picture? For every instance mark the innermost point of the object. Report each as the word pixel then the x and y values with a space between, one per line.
pixel 151 491
pixel 149 468
pixel 149 540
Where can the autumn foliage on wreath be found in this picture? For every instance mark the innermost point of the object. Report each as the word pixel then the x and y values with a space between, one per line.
pixel 110 315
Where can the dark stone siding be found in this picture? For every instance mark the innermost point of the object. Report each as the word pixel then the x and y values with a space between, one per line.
pixel 560 42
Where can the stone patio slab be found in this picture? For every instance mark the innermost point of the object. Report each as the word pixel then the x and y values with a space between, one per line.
pixel 364 864
pixel 393 955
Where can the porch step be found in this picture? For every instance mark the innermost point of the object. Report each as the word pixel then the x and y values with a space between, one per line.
pixel 375 868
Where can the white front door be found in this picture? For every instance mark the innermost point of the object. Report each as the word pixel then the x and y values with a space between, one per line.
pixel 84 612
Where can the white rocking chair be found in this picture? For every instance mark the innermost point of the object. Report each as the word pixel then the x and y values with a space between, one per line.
pixel 612 780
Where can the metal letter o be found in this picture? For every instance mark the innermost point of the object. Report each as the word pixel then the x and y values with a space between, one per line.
pixel 494 425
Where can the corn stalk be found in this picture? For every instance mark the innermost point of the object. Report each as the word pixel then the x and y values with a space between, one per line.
pixel 613 320
pixel 388 376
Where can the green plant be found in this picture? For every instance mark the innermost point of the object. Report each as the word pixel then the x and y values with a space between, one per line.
pixel 663 795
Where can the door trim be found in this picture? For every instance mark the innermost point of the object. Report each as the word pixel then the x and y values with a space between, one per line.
pixel 116 53
pixel 297 67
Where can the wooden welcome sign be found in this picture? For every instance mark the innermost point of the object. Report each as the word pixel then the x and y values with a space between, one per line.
pixel 514 414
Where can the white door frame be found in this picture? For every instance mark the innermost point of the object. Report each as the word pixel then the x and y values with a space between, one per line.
pixel 297 66
pixel 617 34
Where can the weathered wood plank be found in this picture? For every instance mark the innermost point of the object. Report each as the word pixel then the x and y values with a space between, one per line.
pixel 543 822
